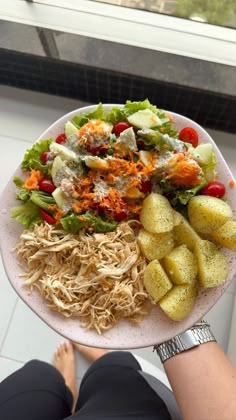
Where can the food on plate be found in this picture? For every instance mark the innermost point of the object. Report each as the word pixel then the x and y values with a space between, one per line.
pixel 111 192
pixel 207 214
pixel 155 245
pixel 181 265
pixel 178 303
pixel 156 281
pixel 156 214
pixel 98 278
pixel 226 235
pixel 212 264
pixel 184 233
pixel 215 189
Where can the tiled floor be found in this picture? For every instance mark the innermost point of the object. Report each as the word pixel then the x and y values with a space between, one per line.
pixel 23 117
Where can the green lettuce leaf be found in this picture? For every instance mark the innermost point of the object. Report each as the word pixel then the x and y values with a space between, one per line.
pixel 116 115
pixel 97 114
pixel 42 200
pixel 27 214
pixel 163 141
pixel 72 223
pixel 179 196
pixel 183 196
pixel 23 195
pixel 32 157
pixel 209 169
pixel 132 107
pixel 18 181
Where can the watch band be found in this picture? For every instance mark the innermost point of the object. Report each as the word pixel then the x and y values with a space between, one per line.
pixel 200 333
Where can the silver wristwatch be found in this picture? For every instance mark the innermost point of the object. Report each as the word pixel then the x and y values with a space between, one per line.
pixel 198 334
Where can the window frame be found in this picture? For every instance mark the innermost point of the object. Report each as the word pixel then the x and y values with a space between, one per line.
pixel 127 26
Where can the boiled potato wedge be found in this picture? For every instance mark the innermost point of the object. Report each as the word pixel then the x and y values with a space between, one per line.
pixel 179 301
pixel 155 246
pixel 226 235
pixel 184 233
pixel 156 281
pixel 156 215
pixel 207 214
pixel 212 264
pixel 177 217
pixel 181 265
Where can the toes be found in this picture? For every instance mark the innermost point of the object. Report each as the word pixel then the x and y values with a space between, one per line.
pixel 70 348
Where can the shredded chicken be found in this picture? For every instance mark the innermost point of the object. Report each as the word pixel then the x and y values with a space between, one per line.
pixel 98 278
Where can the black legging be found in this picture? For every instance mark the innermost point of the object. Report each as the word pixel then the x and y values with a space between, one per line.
pixel 111 388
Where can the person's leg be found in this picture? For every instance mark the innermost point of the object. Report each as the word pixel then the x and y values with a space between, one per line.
pixel 38 390
pixel 113 387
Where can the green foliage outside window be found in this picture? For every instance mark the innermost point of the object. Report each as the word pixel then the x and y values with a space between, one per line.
pixel 213 11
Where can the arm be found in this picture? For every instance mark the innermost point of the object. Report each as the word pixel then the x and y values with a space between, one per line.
pixel 204 383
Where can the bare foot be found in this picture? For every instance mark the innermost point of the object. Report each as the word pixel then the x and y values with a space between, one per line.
pixel 64 361
pixel 90 353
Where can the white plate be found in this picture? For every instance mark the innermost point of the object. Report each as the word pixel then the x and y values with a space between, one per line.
pixel 156 327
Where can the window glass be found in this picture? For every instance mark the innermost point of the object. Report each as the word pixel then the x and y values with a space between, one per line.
pixel 217 12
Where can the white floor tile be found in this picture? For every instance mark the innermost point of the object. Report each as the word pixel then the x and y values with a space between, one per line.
pixel 82 366
pixel 26 114
pixel 148 354
pixel 7 367
pixel 28 337
pixel 13 154
pixel 220 317
pixel 8 300
pixel 232 287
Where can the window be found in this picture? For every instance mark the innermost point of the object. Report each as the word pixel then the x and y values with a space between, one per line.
pixel 217 12
pixel 112 20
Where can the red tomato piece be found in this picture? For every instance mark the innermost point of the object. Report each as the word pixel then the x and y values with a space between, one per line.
pixel 121 215
pixel 61 139
pixel 47 185
pixel 140 144
pixel 45 157
pixel 47 217
pixel 215 189
pixel 189 135
pixel 97 151
pixel 146 186
pixel 120 126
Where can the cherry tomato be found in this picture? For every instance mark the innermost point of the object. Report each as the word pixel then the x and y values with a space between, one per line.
pixel 45 157
pixel 189 135
pixel 61 139
pixel 97 150
pixel 146 186
pixel 47 217
pixel 121 215
pixel 215 189
pixel 47 185
pixel 123 212
pixel 120 126
pixel 140 144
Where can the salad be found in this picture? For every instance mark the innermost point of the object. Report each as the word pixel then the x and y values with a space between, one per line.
pixel 97 173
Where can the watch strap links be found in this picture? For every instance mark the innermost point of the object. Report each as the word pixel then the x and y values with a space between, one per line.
pixel 198 334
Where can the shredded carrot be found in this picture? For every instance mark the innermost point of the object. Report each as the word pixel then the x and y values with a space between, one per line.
pixel 184 173
pixel 231 183
pixel 112 204
pixel 59 214
pixel 32 183
pixel 134 208
pixel 90 129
